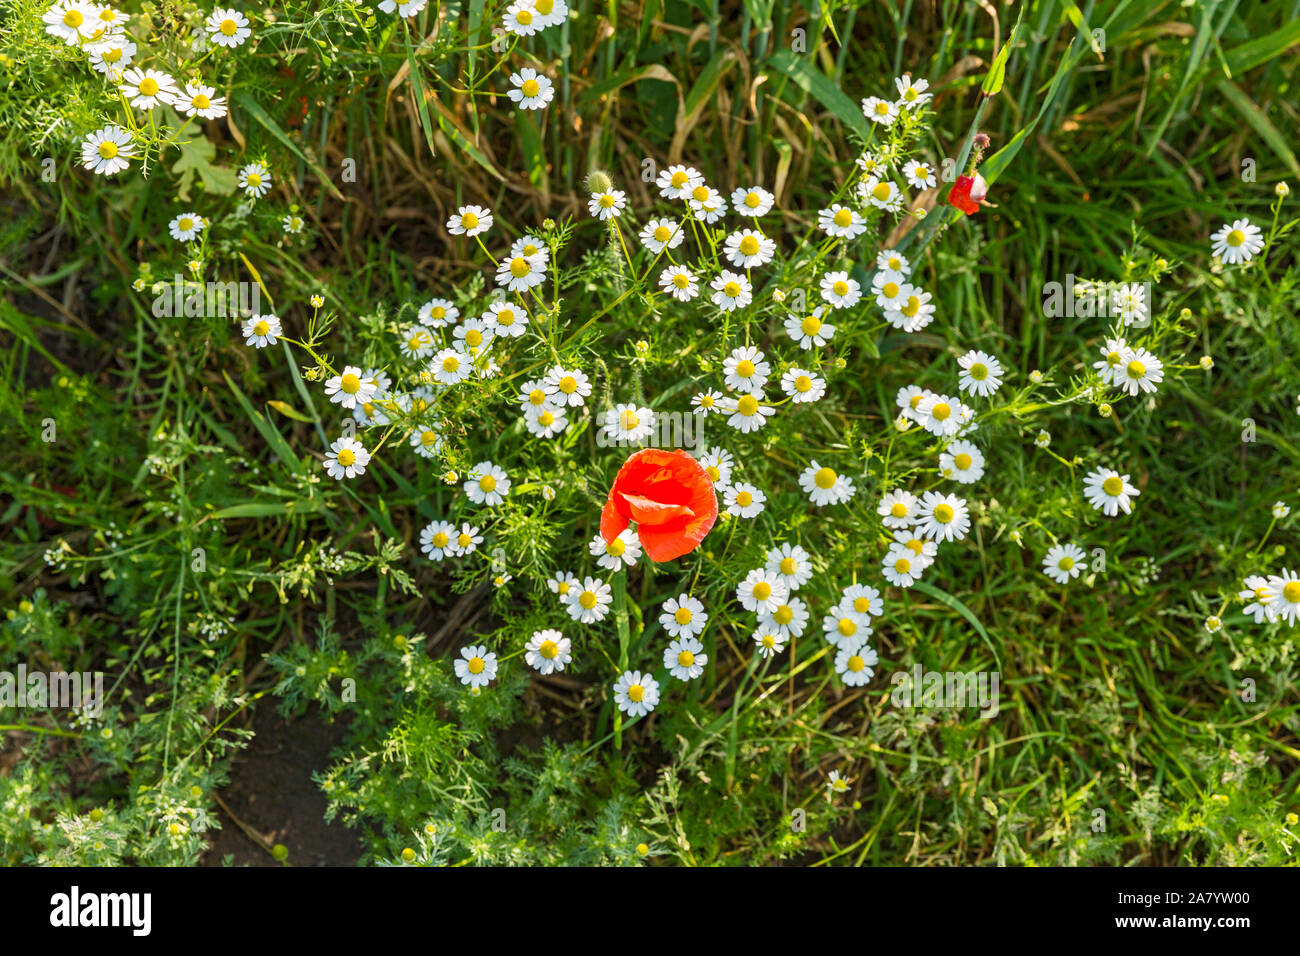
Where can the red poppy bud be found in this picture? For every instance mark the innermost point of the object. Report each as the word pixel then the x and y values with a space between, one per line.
pixel 670 497
pixel 968 192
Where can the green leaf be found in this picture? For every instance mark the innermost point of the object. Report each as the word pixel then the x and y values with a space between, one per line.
pixel 268 431
pixel 813 81
pixel 196 158
pixel 1253 115
pixel 943 597
pixel 288 411
pixel 997 73
pixel 1255 52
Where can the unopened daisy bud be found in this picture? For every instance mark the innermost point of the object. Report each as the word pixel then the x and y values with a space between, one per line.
pixel 920 213
pixel 475 691
pixel 841 362
pixel 643 849
pixel 399 642
pixel 1221 799
pixel 26 606
pixel 548 224
pixel 1213 624
pixel 548 492
pixel 280 852
pixel 1207 363
pixel 1162 264
pixel 1104 410
pixel 1018 538
pixel 451 477
pixel 317 301
pixel 138 285
pixel 1282 190
pixel 195 266
pixel 1185 314
pixel 599 182
pixel 408 855
pixel 902 423
pixel 778 295
pixel 1036 377
pixel 1291 818
pixel 642 347
pixel 1043 439
pixel 96 815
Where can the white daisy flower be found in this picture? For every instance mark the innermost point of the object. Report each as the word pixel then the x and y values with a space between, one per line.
pixel 717 464
pixel 683 616
pixel 531 246
pixel 731 291
pixel 845 628
pixel 417 342
pixel 262 330
pixel 1063 562
pixel 111 55
pixel 684 658
pixel 902 568
pixel 803 386
pixel 709 401
pixel 536 394
pixel 292 224
pixel 438 313
pixel 547 422
pixel 427 441
pixel 909 399
pixel 981 373
pixel 837 783
pixel 1109 492
pixel 476 666
pixel 894 261
pixel 488 484
pixel 349 387
pixel 680 283
pixel 676 182
pixel 550 13
pixel 607 205
pixel 547 651
pixel 770 642
pixel 470 221
pixel 471 335
pixel 1129 301
pixel 940 415
pixel 786 620
pixel 72 21
pixel 572 386
pixel 1285 588
pixel 521 273
pixel 1111 367
pixel 347 458
pixel 912 310
pixel 746 369
pixel 748 249
pixel 942 517
pixel 856 666
pixel 623 551
pixel 744 500
pixel 879 111
pixel 1280 510
pixel 912 93
pixel 636 694
pixel 660 234
pixel 105 151
pixel 228 28
pixel 840 291
pixel 871 163
pixel 919 175
pixel 923 548
pixel 627 423
pixel 863 600
pixel 881 193
pixel 962 461
pixel 1259 599
pixel 531 90
pixel 707 204
pixel 255 180
pixel 521 19
pixel 590 602
pixel 754 201
pixel 747 413
pixel 762 591
pixel 809 331
pixel 898 509
pixel 562 583
pixel 792 563
pixel 467 539
pixel 841 222
pixel 199 100
pixel 186 226
pixel 437 540
pixel 147 88
pixel 823 486
pixel 1139 371
pixel 450 366
pixel 403 8
pixel 1237 243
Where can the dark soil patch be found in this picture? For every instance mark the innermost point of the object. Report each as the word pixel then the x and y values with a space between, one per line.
pixel 271 791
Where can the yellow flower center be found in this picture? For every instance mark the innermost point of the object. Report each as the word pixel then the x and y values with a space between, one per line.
pixel 254 179
pixel 473 338
pixel 1236 237
pixel 108 149
pixel 762 590
pixel 882 109
pixel 262 327
pixel 895 263
pixel 1066 563
pixel 563 588
pixel 861 605
pixel 201 101
pixel 487 483
pixel 346 457
pixel 524 17
pixel 881 191
pixel 915 401
pixel 616 547
pixel 753 200
pixel 910 95
pixel 784 615
pixel 464 540
pixel 825 478
pixel 843 218
pixel 468 220
pixel 606 201
pixel 856 663
pixel 441 540
pixel 713 473
pixel 902 565
pixel 537 397
pixel 531 88
pixel 916 546
pixel 788 565
pixel 111 56
pixel 731 289
pixel 186 224
pixel 428 439
pixel 811 325
pixel 350 384
pixel 587 599
pixel 979 372
pixel 681 280
pixel 519 267
pixel 1113 486
pixel 890 289
pixel 544 7
pixel 629 420
pixel 636 693
pixel 749 246
pixel 546 419
pixel 1291 592
pixel 680 179
pixel 700 193
pixel 847 626
pixel 1136 369
pixel 962 461
pixel 803 384
pixel 682 615
pixel 706 401
pixel 769 641
pixel 944 514
pixel 841 287
pixel 662 233
pixel 476 665
pixel 898 510
pixel 941 411
pixel 568 385
pixel 73 18
pixel 912 306
pixel 744 499
pixel 745 368
pixel 548 649
pixel 747 406
pixel 148 86
pixel 686 658
pixel 229 27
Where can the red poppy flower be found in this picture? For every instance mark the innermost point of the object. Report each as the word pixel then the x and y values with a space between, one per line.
pixel 669 496
pixel 968 192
